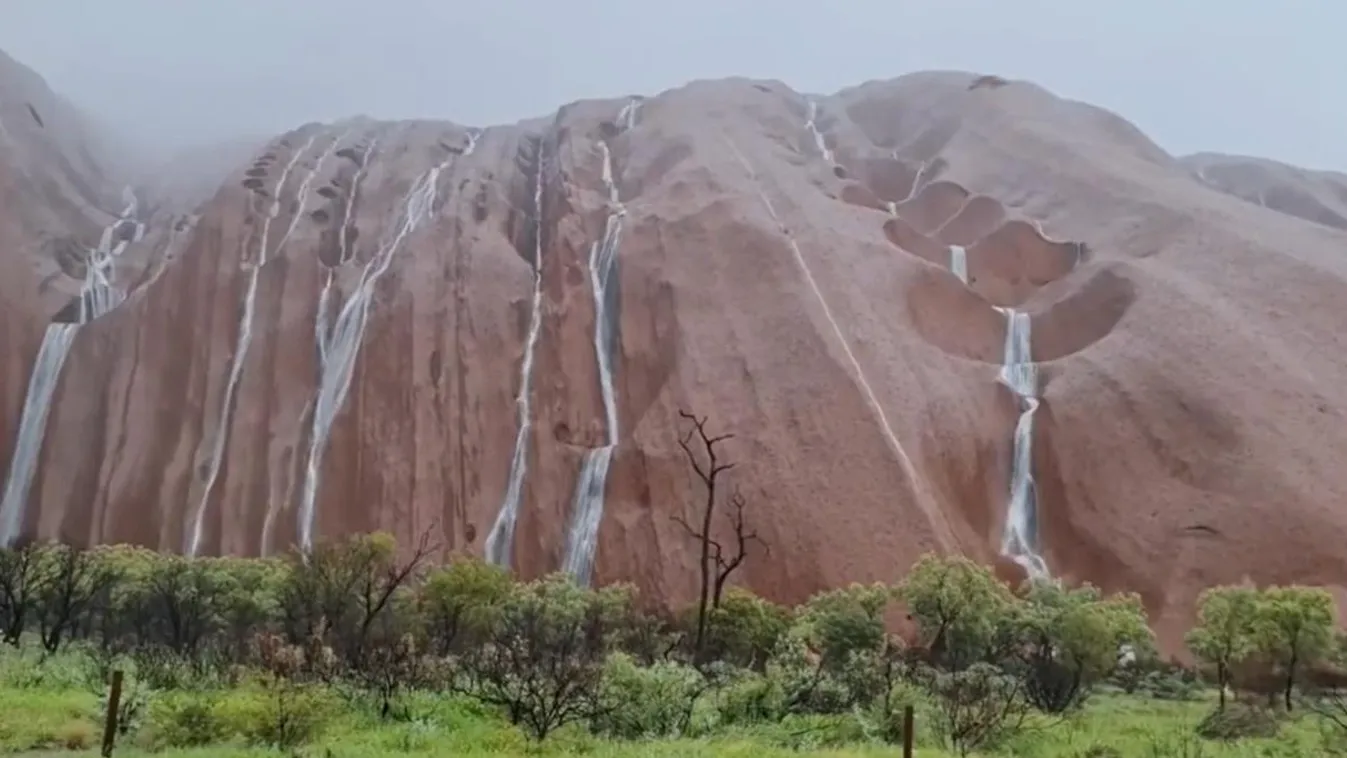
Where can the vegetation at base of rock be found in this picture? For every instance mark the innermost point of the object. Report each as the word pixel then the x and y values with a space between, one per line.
pixel 359 638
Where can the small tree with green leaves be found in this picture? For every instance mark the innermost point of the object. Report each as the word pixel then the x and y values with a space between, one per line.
pixel 1224 636
pixel 348 588
pixel 1294 629
pixel 841 635
pixel 1328 695
pixel 21 578
pixel 74 580
pixel 1070 639
pixel 744 629
pixel 964 615
pixel 977 706
pixel 543 661
pixel 460 601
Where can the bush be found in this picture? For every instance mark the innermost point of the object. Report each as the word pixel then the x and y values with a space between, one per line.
pixel 185 720
pixel 744 629
pixel 277 713
pixel 884 718
pixel 356 621
pixel 976 707
pixel 813 732
pixel 544 661
pixel 961 609
pixel 647 702
pixel 1067 640
pixel 831 660
pixel 751 699
pixel 1239 721
pixel 1173 684
pixel 75 735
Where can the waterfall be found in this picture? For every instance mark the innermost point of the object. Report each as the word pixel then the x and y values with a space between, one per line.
pixel 587 503
pixel 342 241
pixel 98 295
pixel 819 142
pixel 582 538
pixel 1019 540
pixel 958 263
pixel 192 539
pixel 321 330
pixel 339 344
pixel 912 193
pixel 32 426
pixel 500 540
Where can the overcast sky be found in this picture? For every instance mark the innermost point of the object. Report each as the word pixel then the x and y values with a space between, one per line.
pixel 1239 76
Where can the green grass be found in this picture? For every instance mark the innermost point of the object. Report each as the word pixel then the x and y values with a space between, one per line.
pixel 49 709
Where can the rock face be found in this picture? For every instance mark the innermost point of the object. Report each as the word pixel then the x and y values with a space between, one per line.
pixel 1318 196
pixel 337 341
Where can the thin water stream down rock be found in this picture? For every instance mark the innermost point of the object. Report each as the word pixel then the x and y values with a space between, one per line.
pixel 500 540
pixel 587 502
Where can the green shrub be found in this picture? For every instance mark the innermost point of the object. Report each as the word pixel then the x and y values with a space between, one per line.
pixel 75 735
pixel 811 732
pixel 744 629
pixel 29 668
pixel 647 702
pixel 751 699
pixel 277 713
pixel 883 720
pixel 185 720
pixel 1239 721
pixel 1176 685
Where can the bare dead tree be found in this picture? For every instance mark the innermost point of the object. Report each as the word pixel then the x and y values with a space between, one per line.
pixel 726 564
pixel 717 563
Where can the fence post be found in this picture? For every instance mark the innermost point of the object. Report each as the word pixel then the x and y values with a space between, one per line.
pixel 907 731
pixel 114 705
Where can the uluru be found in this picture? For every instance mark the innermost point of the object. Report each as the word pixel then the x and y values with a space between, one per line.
pixel 946 311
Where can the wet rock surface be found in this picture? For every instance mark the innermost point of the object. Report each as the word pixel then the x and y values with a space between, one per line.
pixel 794 286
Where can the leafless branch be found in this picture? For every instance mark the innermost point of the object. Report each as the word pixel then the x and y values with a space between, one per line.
pixel 717 563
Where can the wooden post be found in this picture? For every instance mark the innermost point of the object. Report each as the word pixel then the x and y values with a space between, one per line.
pixel 907 731
pixel 114 705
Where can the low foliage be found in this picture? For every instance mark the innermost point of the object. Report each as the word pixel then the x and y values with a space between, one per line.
pixel 279 653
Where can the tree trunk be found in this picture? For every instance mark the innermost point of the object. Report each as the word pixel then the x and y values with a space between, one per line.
pixel 1290 679
pixel 702 601
pixel 705 596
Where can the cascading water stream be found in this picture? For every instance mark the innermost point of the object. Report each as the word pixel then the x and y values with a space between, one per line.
pixel 587 502
pixel 958 262
pixel 916 185
pixel 812 125
pixel 98 295
pixel 32 427
pixel 500 540
pixel 320 324
pixel 1019 540
pixel 339 344
pixel 192 538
